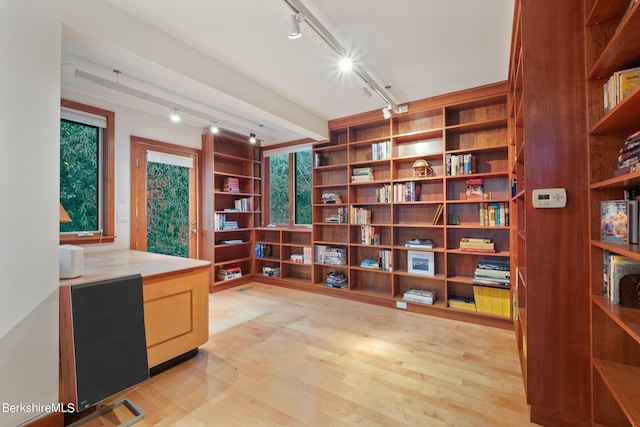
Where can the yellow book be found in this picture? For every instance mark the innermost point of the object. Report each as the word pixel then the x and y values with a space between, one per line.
pixel 628 80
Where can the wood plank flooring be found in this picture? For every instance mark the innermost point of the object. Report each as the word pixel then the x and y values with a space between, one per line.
pixel 280 357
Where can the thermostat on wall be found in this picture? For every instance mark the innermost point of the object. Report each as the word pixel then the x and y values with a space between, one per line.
pixel 549 198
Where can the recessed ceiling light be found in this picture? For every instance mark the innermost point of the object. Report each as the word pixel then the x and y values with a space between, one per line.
pixel 345 64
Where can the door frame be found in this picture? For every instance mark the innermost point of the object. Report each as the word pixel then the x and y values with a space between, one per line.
pixel 138 220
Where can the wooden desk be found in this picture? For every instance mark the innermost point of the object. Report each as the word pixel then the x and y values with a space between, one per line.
pixel 176 297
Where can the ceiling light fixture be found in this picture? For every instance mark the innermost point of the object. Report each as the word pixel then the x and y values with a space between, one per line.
pixel 214 128
pixel 345 64
pixel 386 112
pixel 293 25
pixel 252 138
pixel 174 116
pixel 329 39
pixel 226 127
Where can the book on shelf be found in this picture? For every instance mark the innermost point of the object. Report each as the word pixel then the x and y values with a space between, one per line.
pixel 477 244
pixel 407 191
pixel 360 215
pixel 369 235
pixel 460 164
pixel 492 300
pixel 381 150
pixel 336 280
pixel 232 241
pixel 328 254
pixel 339 218
pixel 229 273
pixel 615 269
pixel 462 303
pixel 493 271
pixel 306 255
pixel 231 185
pixel 263 250
pixel 271 271
pixel 419 243
pixel 493 214
pixel 619 85
pixel 297 258
pixel 364 174
pixel 243 205
pixel 438 214
pixel 319 159
pixel 619 221
pixel 330 198
pixel 419 295
pixel 475 189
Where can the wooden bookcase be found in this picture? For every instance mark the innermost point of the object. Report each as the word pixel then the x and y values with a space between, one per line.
pixel 550 252
pixel 278 244
pixel 613 44
pixel 470 122
pixel 227 158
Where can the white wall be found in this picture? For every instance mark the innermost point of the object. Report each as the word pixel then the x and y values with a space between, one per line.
pixel 134 123
pixel 29 192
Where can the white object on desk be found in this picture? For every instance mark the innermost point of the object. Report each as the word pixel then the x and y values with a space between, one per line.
pixel 71 261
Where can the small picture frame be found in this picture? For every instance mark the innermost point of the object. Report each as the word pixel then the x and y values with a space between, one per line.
pixel 421 262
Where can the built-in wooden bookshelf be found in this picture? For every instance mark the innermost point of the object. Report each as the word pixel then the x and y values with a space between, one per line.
pixel 286 251
pixel 473 122
pixel 232 206
pixel 613 44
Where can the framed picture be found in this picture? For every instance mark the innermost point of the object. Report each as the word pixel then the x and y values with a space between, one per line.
pixel 420 262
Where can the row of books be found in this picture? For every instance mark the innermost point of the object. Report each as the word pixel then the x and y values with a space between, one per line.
pixel 264 250
pixel 369 235
pixel 336 280
pixel 242 205
pixel 619 221
pixel 493 214
pixel 382 262
pixel 220 222
pixel 364 174
pixel 419 295
pixel 407 191
pixel 460 164
pixel 327 254
pixel 360 215
pixel 477 244
pixel 621 279
pixel 342 217
pixel 619 85
pixel 381 150
pixel 493 271
pixel 383 194
pixel 492 300
pixel 629 155
pixel 229 273
pixel 231 185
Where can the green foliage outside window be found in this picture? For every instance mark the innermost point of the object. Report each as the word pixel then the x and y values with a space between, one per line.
pixel 79 188
pixel 168 209
pixel 279 189
pixel 303 187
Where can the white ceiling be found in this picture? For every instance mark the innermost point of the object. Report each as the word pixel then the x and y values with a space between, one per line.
pixel 233 61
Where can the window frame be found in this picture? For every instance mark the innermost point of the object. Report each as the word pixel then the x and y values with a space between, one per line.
pixel 107 178
pixel 290 149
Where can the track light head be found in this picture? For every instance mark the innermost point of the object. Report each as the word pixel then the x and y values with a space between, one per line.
pixel 214 129
pixel 346 64
pixel 293 25
pixel 386 112
pixel 252 138
pixel 174 116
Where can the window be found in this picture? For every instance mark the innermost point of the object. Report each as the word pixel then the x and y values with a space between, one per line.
pixel 289 185
pixel 86 173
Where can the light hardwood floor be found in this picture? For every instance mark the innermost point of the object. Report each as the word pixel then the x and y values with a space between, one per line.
pixel 280 357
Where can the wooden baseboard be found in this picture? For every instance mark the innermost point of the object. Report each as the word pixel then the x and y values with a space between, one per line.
pixel 54 419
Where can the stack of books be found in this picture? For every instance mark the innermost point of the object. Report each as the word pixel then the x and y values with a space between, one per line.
pixel 370 263
pixel 334 255
pixel 418 295
pixel 462 303
pixel 629 155
pixel 362 175
pixel 477 244
pixel 271 271
pixel 420 243
pixel 331 198
pixel 340 218
pixel 382 263
pixel 231 185
pixel 493 271
pixel 221 223
pixel 232 241
pixel 297 258
pixel 229 273
pixel 336 280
